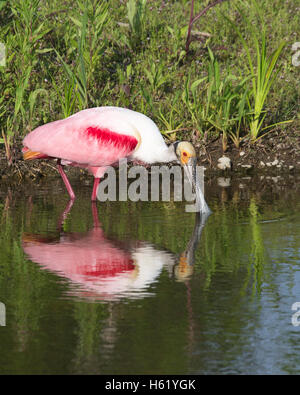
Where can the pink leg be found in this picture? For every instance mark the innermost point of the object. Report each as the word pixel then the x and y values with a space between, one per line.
pixel 95 187
pixel 95 215
pixel 64 215
pixel 65 180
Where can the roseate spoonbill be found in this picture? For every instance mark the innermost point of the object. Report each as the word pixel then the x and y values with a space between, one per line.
pixel 105 268
pixel 98 137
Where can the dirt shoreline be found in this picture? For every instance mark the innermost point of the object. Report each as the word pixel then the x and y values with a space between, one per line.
pixel 274 154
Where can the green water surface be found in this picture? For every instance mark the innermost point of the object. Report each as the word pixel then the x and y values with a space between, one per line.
pixel 150 288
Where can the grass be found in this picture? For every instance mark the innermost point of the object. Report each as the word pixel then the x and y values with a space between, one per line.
pixel 236 80
pixel 265 73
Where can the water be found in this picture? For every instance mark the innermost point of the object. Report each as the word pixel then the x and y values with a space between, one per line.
pixel 146 288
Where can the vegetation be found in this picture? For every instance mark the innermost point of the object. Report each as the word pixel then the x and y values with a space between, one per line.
pixel 235 80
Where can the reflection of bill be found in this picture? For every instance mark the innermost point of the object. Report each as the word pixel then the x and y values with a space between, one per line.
pixel 2 54
pixel 102 268
pixel 2 314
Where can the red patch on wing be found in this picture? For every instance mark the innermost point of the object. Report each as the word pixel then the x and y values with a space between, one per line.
pixel 105 269
pixel 106 135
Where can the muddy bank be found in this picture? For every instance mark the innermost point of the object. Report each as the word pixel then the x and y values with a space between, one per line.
pixel 274 154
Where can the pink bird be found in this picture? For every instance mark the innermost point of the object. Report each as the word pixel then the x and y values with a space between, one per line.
pixel 99 137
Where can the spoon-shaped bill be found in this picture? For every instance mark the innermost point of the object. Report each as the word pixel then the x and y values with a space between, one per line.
pixel 193 177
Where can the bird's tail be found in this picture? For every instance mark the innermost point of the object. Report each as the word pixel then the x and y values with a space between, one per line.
pixel 30 155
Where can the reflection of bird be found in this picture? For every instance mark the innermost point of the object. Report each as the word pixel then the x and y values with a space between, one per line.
pixel 98 137
pixel 102 267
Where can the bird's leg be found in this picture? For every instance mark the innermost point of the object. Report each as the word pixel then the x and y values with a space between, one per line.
pixel 64 215
pixel 65 180
pixel 95 215
pixel 94 193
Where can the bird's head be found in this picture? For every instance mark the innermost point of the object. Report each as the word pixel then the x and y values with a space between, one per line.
pixel 186 155
pixel 185 152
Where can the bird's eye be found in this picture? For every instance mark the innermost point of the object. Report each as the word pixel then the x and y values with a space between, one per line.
pixel 184 154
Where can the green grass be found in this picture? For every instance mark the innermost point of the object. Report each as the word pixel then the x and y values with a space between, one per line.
pixel 236 80
pixel 265 73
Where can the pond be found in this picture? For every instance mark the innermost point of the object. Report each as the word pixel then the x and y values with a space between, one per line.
pixel 147 288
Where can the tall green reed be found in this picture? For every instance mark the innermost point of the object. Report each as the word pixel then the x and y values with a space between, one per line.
pixel 217 103
pixel 136 13
pixel 89 20
pixel 191 99
pixel 225 102
pixel 23 32
pixel 262 70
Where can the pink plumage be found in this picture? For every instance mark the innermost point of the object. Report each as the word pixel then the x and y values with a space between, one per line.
pixel 81 143
pixel 90 260
pixel 96 138
pixel 88 139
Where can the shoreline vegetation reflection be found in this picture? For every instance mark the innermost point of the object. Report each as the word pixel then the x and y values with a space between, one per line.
pixel 207 283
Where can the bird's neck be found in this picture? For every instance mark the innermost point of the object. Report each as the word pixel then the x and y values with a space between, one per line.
pixel 167 154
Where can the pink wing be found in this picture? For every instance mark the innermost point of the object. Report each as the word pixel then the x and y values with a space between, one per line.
pixel 81 139
pixel 89 260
